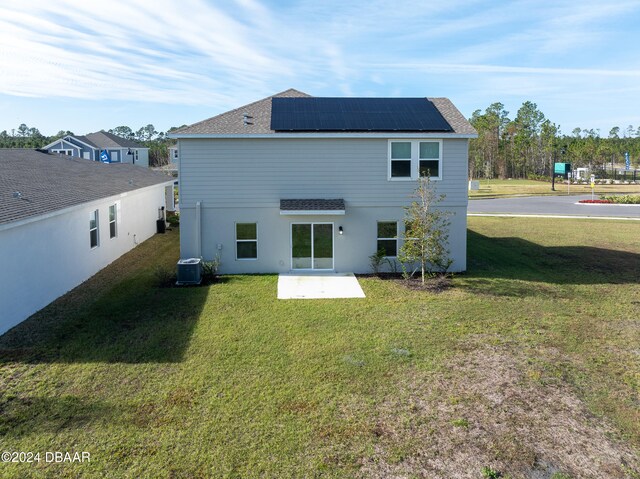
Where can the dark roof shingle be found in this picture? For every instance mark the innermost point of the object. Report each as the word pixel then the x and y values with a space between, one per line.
pixel 103 139
pixel 255 118
pixel 312 205
pixel 33 183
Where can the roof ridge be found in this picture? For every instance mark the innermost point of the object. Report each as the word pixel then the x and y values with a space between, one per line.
pixel 248 105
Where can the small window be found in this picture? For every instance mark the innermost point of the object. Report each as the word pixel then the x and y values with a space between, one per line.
pixel 93 228
pixel 388 237
pixel 401 159
pixel 430 159
pixel 112 221
pixel 246 241
pixel 63 152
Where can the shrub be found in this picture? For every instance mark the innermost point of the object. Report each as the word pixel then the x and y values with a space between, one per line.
pixel 164 277
pixel 173 219
pixel 210 269
pixel 378 259
pixel 622 199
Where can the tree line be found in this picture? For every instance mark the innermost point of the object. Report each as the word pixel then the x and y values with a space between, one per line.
pixel 157 141
pixel 528 145
pixel 523 147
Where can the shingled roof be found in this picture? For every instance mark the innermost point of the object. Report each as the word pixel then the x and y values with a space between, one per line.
pixel 33 183
pixel 255 119
pixel 103 140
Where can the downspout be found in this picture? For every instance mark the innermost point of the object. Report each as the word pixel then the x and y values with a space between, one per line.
pixel 198 231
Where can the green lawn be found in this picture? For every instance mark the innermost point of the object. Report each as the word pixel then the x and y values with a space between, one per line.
pixel 529 365
pixel 506 188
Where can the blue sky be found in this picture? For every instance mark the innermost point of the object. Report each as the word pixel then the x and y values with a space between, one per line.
pixel 86 65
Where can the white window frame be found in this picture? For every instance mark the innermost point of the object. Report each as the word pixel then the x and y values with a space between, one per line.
pixel 235 234
pixel 387 239
pixel 63 151
pixel 313 246
pixel 96 229
pixel 114 221
pixel 415 159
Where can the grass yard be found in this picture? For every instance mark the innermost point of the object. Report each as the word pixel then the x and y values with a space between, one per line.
pixel 528 367
pixel 506 188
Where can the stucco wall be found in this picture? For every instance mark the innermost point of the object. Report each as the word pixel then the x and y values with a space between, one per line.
pixel 44 259
pixel 351 249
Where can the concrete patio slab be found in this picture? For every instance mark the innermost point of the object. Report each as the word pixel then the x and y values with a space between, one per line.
pixel 318 286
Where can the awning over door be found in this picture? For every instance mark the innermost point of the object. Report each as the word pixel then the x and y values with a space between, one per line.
pixel 312 207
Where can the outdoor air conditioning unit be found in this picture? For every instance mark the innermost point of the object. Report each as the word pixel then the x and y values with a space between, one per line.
pixel 189 271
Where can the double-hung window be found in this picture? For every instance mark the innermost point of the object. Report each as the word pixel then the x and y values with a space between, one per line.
pixel 411 159
pixel 113 212
pixel 400 159
pixel 246 241
pixel 93 229
pixel 388 238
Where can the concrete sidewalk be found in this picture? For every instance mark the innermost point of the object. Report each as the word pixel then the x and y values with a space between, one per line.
pixel 318 286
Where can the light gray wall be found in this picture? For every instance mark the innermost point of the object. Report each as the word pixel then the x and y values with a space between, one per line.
pixel 244 180
pixel 262 171
pixel 351 250
pixel 52 255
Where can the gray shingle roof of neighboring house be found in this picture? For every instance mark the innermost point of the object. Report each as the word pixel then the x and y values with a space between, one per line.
pixel 311 205
pixel 103 139
pixel 33 183
pixel 255 118
pixel 86 140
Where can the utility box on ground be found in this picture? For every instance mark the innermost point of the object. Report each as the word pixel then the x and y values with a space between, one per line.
pixel 189 271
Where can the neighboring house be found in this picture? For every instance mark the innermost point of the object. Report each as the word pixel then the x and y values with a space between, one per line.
pixel 64 219
pixel 173 155
pixel 294 182
pixel 92 146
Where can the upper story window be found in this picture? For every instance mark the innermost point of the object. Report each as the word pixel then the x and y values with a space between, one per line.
pixel 409 160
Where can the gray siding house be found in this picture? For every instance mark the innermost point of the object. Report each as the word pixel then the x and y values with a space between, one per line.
pixel 91 145
pixel 294 182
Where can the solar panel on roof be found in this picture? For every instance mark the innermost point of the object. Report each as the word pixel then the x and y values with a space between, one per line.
pixel 356 114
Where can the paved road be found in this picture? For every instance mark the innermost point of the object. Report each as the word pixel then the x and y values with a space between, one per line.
pixel 551 205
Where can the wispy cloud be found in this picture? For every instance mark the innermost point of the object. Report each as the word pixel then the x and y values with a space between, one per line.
pixel 220 54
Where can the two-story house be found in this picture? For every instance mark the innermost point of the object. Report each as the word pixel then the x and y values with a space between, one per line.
pixel 101 146
pixel 300 183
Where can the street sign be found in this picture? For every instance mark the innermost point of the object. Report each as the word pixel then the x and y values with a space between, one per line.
pixel 104 156
pixel 627 161
pixel 562 169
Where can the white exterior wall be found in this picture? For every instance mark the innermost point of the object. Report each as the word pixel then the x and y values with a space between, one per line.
pixel 45 258
pixel 243 180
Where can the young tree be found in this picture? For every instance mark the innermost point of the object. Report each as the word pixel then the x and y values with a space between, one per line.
pixel 426 235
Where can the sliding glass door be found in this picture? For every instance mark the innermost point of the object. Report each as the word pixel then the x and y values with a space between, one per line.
pixel 312 246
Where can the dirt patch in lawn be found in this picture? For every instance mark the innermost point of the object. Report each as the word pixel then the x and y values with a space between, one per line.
pixel 491 408
pixel 433 284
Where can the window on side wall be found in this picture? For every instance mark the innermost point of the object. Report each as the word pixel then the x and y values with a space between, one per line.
pixel 93 229
pixel 400 160
pixel 411 159
pixel 246 241
pixel 388 238
pixel 429 159
pixel 113 212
